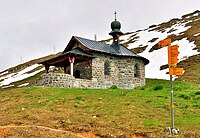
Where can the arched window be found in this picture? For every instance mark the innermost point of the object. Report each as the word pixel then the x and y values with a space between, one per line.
pixel 106 67
pixel 136 70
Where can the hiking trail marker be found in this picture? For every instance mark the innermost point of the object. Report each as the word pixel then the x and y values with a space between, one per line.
pixel 173 70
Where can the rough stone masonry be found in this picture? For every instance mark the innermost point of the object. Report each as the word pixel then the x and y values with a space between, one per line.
pixel 121 74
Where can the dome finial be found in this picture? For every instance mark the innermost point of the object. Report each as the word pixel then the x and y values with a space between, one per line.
pixel 115 26
pixel 115 15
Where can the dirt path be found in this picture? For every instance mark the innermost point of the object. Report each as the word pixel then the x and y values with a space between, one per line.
pixel 31 131
pixel 13 131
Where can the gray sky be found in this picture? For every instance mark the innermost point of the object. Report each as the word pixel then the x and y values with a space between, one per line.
pixel 31 29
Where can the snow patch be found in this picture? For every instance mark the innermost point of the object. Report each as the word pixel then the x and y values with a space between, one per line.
pixel 179 28
pixel 22 85
pixel 185 49
pixel 156 58
pixel 197 34
pixel 145 36
pixel 3 73
pixel 196 14
pixel 13 77
pixel 8 86
pixel 7 76
pixel 197 19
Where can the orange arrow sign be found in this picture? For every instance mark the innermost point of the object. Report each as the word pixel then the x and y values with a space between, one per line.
pixel 165 42
pixel 176 71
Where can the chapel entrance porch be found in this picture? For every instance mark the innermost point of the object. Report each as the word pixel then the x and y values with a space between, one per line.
pixel 76 62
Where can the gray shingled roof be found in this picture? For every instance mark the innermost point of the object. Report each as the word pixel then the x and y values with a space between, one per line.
pixel 106 48
pixel 77 51
pixel 114 49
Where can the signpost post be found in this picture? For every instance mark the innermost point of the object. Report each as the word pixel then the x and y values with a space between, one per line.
pixel 172 62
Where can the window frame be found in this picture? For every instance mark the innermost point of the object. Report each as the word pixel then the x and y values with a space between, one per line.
pixel 107 67
pixel 136 70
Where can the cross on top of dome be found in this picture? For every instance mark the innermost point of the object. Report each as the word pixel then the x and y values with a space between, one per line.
pixel 115 15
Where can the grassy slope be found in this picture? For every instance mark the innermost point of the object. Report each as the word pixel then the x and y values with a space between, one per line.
pixel 104 111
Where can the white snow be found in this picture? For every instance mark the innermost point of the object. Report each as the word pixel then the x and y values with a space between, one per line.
pixel 22 85
pixel 185 49
pixel 196 14
pixel 13 77
pixel 197 34
pixel 126 37
pixel 180 28
pixel 3 73
pixel 147 35
pixel 156 58
pixel 7 76
pixel 197 19
pixel 8 86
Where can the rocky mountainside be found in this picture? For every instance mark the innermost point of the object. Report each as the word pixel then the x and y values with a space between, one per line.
pixel 184 31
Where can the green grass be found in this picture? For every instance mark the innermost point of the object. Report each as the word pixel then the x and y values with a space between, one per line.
pixel 104 111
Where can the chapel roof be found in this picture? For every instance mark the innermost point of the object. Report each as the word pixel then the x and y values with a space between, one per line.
pixel 113 49
pixel 78 51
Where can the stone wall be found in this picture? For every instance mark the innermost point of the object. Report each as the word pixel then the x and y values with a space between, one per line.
pixel 121 74
pixel 63 80
pixel 85 70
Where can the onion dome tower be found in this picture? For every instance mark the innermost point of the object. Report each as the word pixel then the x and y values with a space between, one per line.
pixel 115 33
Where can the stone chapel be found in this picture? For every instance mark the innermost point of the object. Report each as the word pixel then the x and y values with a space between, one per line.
pixel 92 64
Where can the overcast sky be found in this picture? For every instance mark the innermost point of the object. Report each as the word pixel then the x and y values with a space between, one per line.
pixel 31 29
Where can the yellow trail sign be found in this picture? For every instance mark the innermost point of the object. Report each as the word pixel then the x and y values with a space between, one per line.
pixel 176 71
pixel 173 55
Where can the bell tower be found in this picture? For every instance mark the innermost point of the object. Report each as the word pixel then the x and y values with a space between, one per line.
pixel 115 26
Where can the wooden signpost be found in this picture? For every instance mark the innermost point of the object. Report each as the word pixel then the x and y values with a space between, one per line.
pixel 173 70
